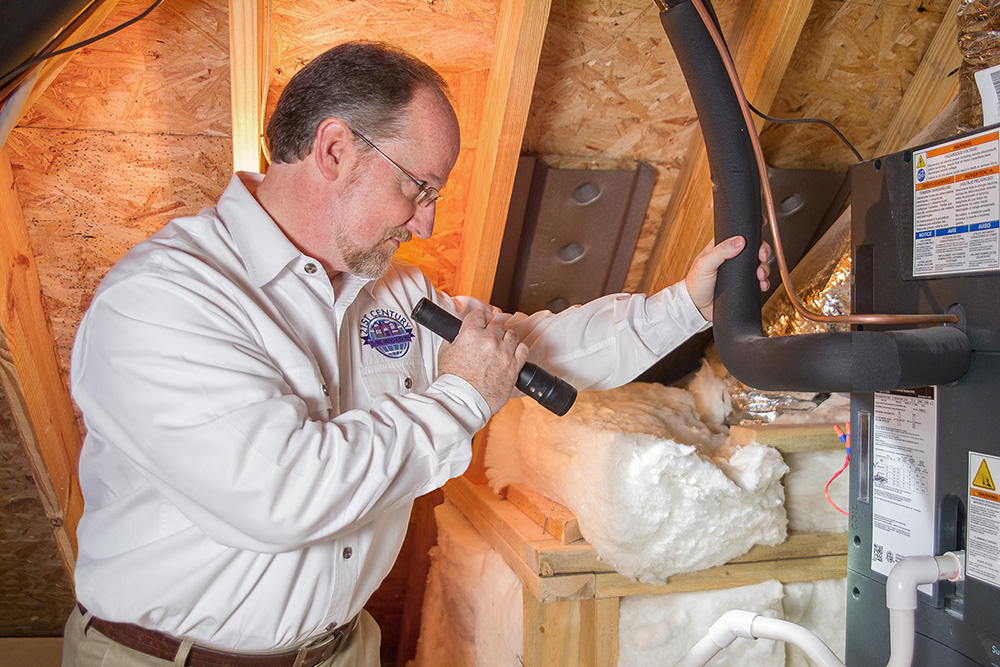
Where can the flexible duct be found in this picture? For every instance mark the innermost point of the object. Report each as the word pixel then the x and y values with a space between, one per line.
pixel 860 361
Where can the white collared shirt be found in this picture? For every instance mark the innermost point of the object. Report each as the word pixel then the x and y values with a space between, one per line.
pixel 256 438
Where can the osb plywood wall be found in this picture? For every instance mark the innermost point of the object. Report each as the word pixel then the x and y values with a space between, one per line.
pixel 853 62
pixel 35 595
pixel 135 131
pixel 609 92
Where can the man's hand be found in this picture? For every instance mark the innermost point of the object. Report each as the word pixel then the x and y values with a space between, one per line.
pixel 487 355
pixel 700 279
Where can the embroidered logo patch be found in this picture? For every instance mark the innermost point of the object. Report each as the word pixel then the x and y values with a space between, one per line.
pixel 386 331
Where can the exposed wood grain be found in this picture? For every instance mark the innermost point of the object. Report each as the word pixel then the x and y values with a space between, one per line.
pixel 517 46
pixel 249 47
pixel 33 380
pixel 599 632
pixel 933 86
pixel 729 575
pixel 555 519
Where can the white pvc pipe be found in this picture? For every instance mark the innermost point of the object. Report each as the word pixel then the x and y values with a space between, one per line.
pixel 734 623
pixel 901 598
pixel 902 628
pixel 775 628
pixel 749 625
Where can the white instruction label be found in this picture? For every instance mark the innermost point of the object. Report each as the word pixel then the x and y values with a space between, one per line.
pixel 988 83
pixel 982 558
pixel 903 476
pixel 956 207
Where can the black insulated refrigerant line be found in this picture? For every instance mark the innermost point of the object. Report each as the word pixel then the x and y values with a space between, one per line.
pixel 855 361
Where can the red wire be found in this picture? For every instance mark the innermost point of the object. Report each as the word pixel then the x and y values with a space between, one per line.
pixel 826 491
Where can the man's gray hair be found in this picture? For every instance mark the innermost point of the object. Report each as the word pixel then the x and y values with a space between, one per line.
pixel 368 85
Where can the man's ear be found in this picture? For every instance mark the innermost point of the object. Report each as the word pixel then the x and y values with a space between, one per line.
pixel 333 149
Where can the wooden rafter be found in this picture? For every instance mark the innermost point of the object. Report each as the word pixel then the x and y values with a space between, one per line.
pixel 516 51
pixel 32 375
pixel 762 41
pixel 249 39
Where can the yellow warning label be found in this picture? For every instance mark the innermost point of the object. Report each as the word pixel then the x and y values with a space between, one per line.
pixel 983 479
pixel 921 162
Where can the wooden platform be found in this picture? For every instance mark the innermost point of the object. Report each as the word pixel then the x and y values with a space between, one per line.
pixel 571 596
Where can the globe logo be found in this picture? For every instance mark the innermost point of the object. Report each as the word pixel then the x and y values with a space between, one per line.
pixel 387 332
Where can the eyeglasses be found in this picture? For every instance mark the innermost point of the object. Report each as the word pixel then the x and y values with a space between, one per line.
pixel 427 194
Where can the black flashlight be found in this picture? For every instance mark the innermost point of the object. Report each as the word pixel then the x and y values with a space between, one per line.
pixel 552 393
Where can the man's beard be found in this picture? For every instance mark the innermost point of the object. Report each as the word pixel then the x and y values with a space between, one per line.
pixel 372 262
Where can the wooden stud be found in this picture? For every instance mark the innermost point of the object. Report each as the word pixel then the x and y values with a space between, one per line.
pixel 763 39
pixel 249 47
pixel 599 632
pixel 32 376
pixel 551 632
pixel 516 50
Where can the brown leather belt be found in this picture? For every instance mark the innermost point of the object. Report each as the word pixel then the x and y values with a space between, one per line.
pixel 164 646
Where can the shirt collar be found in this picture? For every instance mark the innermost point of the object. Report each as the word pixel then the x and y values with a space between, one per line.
pixel 264 247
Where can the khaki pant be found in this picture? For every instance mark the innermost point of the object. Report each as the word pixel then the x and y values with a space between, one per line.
pixel 86 647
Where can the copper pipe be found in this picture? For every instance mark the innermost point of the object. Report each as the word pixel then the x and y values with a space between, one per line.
pixel 772 218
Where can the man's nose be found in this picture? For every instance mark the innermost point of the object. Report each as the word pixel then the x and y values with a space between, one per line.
pixel 421 224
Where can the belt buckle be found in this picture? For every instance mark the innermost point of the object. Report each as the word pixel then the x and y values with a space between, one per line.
pixel 329 642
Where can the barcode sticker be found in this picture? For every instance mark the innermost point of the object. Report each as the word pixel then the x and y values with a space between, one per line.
pixel 988 82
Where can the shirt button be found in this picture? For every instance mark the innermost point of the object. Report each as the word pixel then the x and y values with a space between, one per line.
pixel 310 268
pixel 408 383
pixel 326 390
pixel 348 552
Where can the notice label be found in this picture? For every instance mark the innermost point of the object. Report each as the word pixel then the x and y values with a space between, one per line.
pixel 956 207
pixel 982 558
pixel 903 476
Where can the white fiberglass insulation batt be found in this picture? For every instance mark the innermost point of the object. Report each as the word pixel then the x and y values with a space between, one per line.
pixel 472 609
pixel 655 491
pixel 819 606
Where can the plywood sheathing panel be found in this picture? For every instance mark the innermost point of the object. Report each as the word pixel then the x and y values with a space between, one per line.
pixel 133 133
pixel 608 93
pixel 168 73
pixel 31 570
pixel 453 36
pixel 88 197
pixel 852 65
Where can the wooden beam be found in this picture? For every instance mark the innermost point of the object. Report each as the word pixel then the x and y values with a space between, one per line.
pixel 249 48
pixel 32 375
pixel 516 50
pixel 762 41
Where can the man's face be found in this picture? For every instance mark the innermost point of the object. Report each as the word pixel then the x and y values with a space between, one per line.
pixel 377 211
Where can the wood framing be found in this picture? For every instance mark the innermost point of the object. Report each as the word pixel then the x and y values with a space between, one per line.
pixel 32 376
pixel 514 65
pixel 933 86
pixel 249 46
pixel 764 36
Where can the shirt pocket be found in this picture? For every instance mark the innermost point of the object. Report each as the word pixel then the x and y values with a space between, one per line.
pixel 394 378
pixel 307 383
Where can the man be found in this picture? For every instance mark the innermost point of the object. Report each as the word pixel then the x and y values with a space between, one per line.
pixel 262 411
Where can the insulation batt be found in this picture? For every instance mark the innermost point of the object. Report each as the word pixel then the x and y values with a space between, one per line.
pixel 654 490
pixel 471 614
